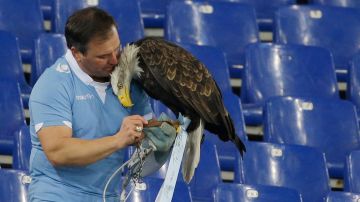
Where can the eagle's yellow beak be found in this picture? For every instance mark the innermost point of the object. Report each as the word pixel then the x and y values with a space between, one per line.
pixel 124 97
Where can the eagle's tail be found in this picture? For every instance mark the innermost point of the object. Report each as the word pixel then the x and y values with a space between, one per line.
pixel 191 156
pixel 239 145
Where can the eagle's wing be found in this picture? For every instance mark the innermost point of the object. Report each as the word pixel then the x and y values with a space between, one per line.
pixel 183 79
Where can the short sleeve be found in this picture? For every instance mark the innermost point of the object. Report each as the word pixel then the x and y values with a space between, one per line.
pixel 50 103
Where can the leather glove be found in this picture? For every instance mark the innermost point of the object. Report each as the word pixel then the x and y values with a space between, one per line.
pixel 161 137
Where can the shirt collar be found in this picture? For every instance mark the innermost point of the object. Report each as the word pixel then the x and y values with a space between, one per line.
pixel 79 72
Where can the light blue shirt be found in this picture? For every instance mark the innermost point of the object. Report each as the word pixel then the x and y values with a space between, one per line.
pixel 65 95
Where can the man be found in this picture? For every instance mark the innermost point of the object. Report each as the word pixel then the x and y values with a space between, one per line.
pixel 78 127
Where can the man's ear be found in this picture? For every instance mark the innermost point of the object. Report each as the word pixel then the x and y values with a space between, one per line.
pixel 77 54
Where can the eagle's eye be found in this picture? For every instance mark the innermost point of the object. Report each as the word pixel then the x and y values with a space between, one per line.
pixel 120 85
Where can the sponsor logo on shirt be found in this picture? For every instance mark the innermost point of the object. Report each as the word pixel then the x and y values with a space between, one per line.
pixel 85 97
pixel 63 68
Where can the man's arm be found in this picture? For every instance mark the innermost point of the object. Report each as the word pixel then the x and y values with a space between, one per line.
pixel 62 149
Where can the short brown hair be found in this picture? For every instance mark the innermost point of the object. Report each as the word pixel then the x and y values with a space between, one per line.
pixel 86 24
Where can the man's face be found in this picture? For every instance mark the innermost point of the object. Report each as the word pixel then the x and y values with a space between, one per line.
pixel 101 56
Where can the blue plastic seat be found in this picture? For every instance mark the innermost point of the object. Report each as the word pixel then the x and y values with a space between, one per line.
pixel 341 3
pixel 255 193
pixel 353 83
pixel 181 192
pixel 47 8
pixel 343 197
pixel 153 12
pixel 204 23
pixel 24 19
pixel 11 68
pixel 13 185
pixel 126 14
pixel 352 175
pixel 22 149
pixel 284 70
pixel 48 48
pixel 331 125
pixel 297 167
pixel 321 26
pixel 12 115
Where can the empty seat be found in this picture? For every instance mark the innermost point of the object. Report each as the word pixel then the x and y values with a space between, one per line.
pixel 126 14
pixel 11 67
pixel 48 48
pixel 24 19
pixel 152 187
pixel 353 83
pixel 12 115
pixel 352 175
pixel 204 23
pixel 13 185
pixel 153 12
pixel 330 125
pixel 255 193
pixel 341 3
pixel 321 26
pixel 278 70
pixel 47 8
pixel 22 149
pixel 297 167
pixel 342 197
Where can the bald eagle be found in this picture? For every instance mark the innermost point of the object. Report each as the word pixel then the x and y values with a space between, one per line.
pixel 172 75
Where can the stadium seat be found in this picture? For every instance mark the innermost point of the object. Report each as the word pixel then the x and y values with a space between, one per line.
pixel 204 23
pixel 284 70
pixel 343 197
pixel 352 175
pixel 340 3
pixel 11 66
pixel 297 167
pixel 47 8
pixel 12 115
pixel 255 193
pixel 153 12
pixel 321 26
pixel 331 125
pixel 48 48
pixel 126 14
pixel 24 19
pixel 152 187
pixel 14 185
pixel 353 83
pixel 265 11
pixel 22 149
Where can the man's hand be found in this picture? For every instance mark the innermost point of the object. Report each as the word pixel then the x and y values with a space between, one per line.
pixel 131 130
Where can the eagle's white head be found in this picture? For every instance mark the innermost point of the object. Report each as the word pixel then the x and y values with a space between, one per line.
pixel 124 72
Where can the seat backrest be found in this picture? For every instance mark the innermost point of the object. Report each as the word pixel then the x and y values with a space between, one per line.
pixel 297 167
pixel 341 3
pixel 330 125
pixel 153 12
pixel 48 48
pixel 13 185
pixel 353 83
pixel 352 175
pixel 126 14
pixel 16 16
pixel 226 192
pixel 204 23
pixel 342 196
pixel 321 26
pixel 293 70
pixel 22 149
pixel 181 192
pixel 11 65
pixel 12 115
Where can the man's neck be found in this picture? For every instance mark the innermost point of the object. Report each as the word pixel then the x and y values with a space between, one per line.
pixel 100 79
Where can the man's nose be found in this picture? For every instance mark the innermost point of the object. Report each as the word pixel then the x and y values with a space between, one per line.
pixel 114 58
